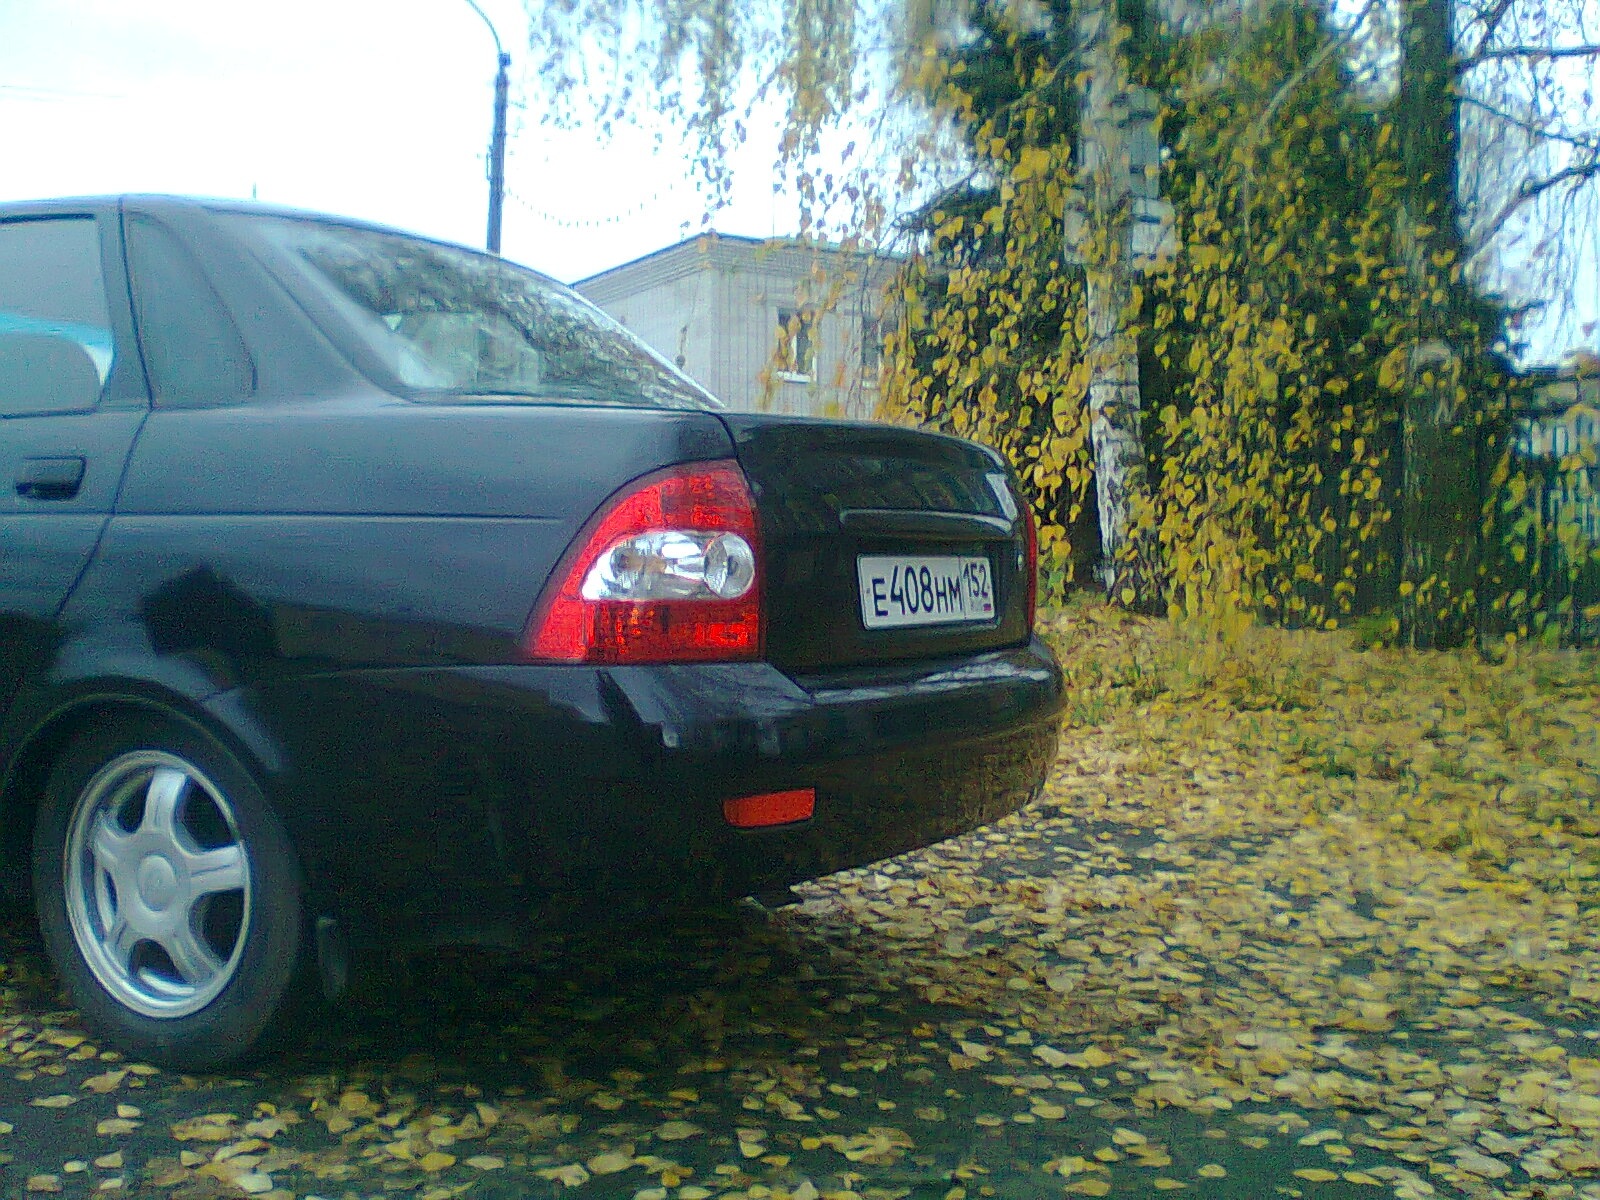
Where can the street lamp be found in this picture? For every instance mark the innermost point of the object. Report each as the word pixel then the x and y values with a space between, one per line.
pixel 497 140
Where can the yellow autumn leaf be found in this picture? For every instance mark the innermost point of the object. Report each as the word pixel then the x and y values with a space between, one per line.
pixel 571 1174
pixel 235 1149
pixel 1090 1058
pixel 609 1163
pixel 106 1082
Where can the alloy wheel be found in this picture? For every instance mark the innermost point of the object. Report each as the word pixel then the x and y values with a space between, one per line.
pixel 157 881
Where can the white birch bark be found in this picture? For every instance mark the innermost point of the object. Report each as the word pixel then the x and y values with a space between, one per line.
pixel 1115 414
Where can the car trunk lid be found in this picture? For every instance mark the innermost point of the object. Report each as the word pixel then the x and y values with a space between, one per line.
pixel 881 543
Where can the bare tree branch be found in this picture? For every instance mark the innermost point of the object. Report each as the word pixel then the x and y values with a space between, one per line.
pixel 1533 128
pixel 1529 190
pixel 1529 53
pixel 1491 20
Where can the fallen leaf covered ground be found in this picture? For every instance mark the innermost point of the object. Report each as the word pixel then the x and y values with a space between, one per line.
pixel 1290 920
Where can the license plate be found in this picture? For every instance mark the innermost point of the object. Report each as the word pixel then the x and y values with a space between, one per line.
pixel 923 590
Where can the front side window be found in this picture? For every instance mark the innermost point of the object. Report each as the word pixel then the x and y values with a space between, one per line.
pixel 446 323
pixel 56 347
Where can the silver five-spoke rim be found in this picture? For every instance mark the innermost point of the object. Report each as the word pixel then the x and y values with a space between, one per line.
pixel 157 884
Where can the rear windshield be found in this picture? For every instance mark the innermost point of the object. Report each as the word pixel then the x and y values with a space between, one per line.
pixel 445 323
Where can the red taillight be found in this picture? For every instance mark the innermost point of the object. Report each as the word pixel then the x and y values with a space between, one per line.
pixel 1030 562
pixel 668 571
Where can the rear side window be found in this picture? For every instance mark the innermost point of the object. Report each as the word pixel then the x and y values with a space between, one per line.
pixel 192 349
pixel 56 347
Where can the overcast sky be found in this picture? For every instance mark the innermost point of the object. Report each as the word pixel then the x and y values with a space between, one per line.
pixel 373 108
pixel 378 109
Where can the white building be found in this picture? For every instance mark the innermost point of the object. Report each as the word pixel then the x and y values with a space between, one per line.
pixel 775 325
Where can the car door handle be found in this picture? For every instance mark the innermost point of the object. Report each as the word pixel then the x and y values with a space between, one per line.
pixel 50 478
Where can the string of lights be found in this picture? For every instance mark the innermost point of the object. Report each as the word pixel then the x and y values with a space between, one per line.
pixel 561 221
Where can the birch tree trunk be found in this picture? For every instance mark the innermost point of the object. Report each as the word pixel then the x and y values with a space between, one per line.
pixel 1115 410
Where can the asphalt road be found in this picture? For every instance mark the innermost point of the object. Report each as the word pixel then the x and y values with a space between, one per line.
pixel 1140 985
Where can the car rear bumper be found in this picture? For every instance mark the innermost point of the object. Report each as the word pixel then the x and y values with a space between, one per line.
pixel 494 803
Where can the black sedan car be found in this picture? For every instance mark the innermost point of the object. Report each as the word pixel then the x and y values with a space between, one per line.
pixel 362 592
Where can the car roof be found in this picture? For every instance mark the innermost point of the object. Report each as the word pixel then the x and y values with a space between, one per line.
pixel 156 202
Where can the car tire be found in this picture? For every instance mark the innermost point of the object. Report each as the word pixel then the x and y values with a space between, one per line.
pixel 168 894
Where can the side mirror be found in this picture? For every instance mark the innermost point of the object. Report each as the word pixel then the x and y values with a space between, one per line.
pixel 44 373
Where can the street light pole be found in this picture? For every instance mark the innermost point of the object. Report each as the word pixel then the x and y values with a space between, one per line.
pixel 497 140
pixel 497 156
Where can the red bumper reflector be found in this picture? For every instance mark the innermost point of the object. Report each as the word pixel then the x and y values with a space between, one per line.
pixel 770 808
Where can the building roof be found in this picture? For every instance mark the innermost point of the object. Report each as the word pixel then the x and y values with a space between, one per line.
pixel 786 256
pixel 1555 390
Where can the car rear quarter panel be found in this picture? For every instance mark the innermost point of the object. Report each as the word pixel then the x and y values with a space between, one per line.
pixel 270 540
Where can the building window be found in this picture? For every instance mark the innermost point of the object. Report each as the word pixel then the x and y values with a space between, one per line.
pixel 871 348
pixel 874 332
pixel 796 357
